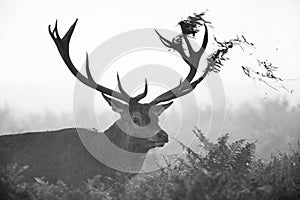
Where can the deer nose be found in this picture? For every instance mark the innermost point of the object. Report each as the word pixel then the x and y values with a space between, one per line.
pixel 163 136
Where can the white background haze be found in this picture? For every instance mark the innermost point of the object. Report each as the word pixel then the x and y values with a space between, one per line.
pixel 36 88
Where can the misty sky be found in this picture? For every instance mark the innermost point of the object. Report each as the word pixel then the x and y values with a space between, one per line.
pixel 33 77
pixel 35 82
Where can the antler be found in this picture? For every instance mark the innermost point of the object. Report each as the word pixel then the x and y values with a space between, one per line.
pixel 185 86
pixel 62 45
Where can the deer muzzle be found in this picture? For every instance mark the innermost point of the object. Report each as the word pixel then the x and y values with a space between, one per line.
pixel 159 139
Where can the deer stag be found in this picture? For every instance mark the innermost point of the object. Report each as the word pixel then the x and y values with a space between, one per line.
pixel 61 155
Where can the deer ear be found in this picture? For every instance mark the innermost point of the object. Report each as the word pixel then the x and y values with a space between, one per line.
pixel 158 109
pixel 116 105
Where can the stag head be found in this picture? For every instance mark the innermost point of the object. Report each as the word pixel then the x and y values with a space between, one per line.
pixel 138 122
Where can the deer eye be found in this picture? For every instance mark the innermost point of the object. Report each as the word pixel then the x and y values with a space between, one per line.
pixel 136 120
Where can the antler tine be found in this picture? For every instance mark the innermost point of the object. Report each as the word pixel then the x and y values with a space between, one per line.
pixel 121 88
pixel 144 94
pixel 195 56
pixel 138 97
pixel 192 60
pixel 192 85
pixel 173 45
pixel 62 45
pixel 88 72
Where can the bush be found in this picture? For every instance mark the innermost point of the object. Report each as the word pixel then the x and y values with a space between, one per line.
pixel 222 170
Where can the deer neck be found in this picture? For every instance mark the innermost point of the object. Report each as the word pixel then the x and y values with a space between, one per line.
pixel 117 133
pixel 116 149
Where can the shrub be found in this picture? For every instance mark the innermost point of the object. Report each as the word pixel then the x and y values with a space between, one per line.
pixel 222 170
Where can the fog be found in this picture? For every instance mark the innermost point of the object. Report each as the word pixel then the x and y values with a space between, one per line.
pixel 273 124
